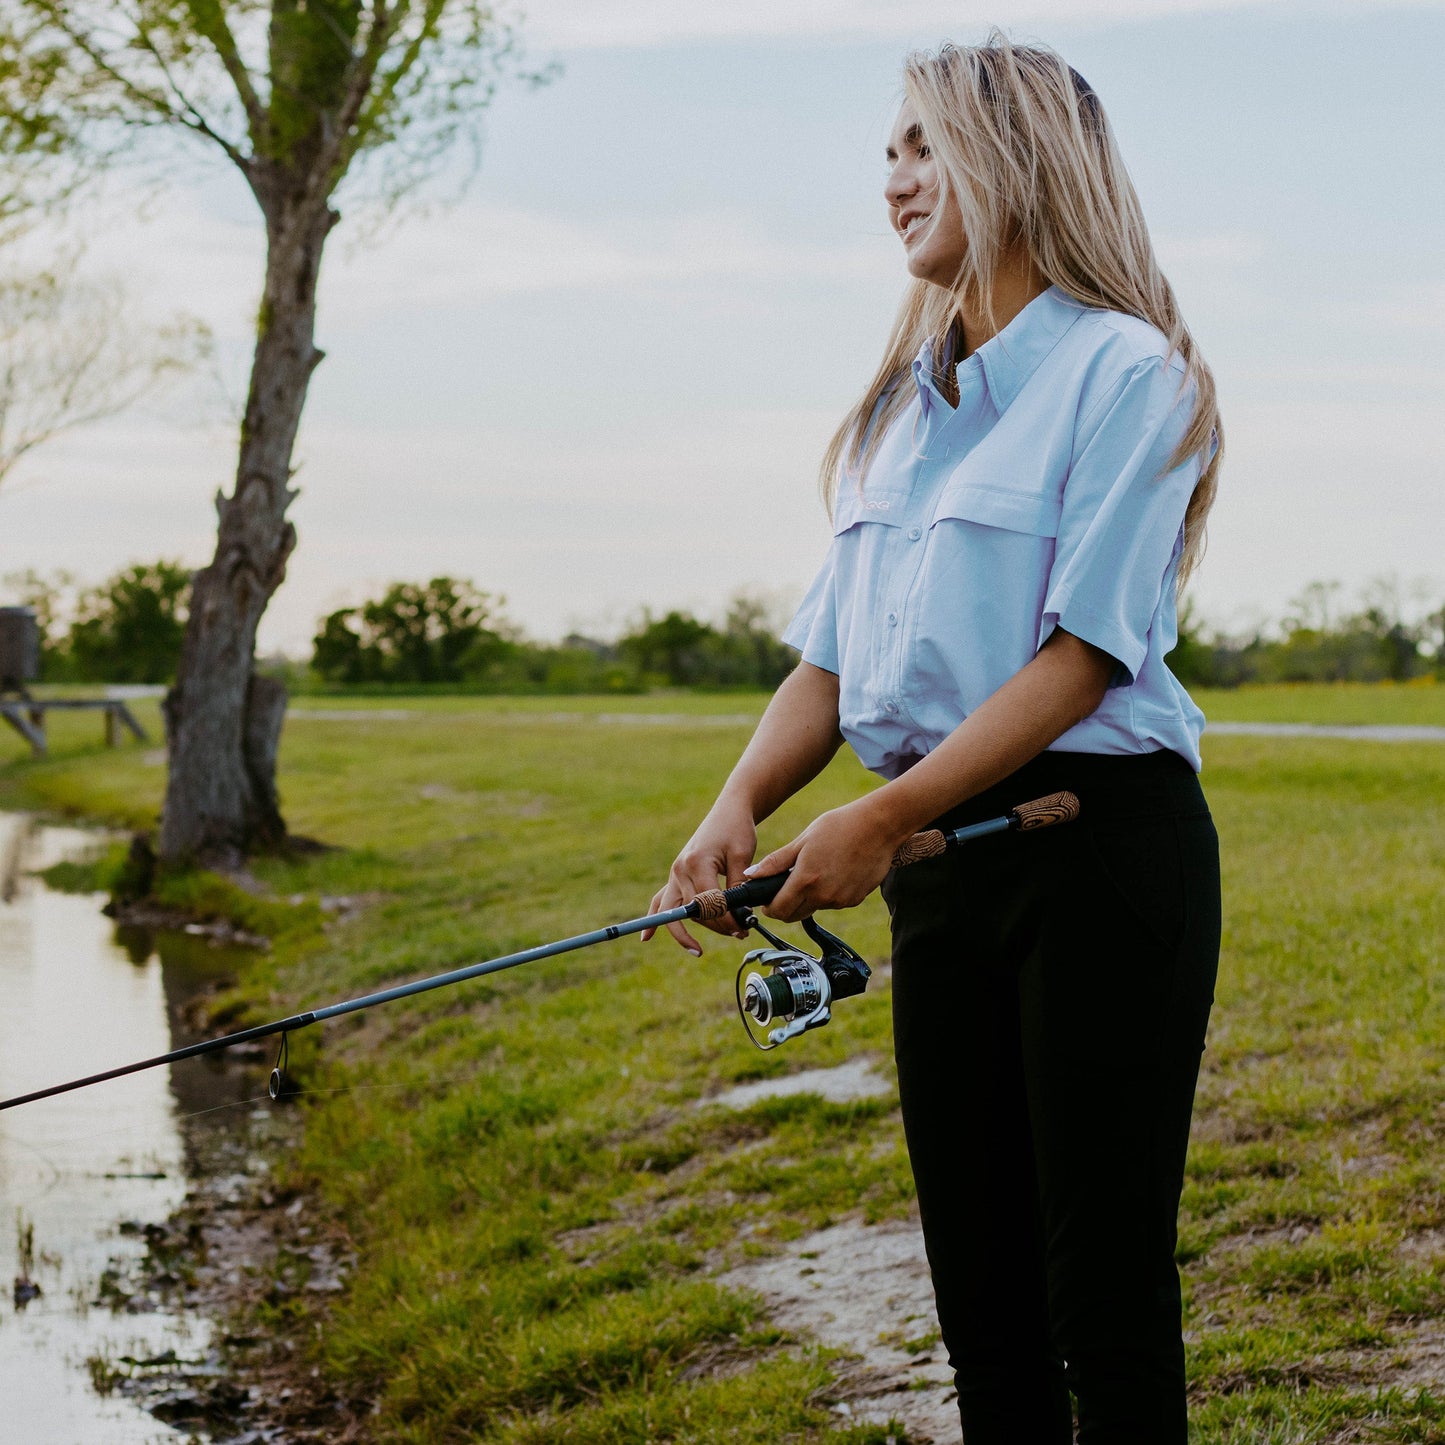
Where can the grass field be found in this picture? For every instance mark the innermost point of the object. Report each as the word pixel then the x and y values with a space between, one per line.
pixel 539 1210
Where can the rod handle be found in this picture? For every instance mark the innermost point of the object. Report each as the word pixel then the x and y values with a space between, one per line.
pixel 929 844
pixel 1045 812
pixel 932 843
pixel 717 901
pixel 1040 813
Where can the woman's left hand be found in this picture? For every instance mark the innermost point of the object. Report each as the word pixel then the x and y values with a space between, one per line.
pixel 837 861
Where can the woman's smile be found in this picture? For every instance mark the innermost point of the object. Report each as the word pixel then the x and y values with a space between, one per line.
pixel 931 231
pixel 909 223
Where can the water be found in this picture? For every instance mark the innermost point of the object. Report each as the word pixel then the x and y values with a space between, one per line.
pixel 78 995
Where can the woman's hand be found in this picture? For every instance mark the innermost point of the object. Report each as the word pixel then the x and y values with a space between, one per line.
pixel 723 846
pixel 837 861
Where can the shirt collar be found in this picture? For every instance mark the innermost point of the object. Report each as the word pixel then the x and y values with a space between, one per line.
pixel 1011 358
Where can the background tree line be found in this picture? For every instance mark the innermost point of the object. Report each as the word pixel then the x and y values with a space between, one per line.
pixel 446 633
pixel 1318 641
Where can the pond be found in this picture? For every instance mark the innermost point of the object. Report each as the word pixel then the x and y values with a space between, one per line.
pixel 84 1176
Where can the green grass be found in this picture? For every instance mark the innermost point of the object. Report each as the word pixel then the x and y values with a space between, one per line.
pixel 1421 702
pixel 539 1210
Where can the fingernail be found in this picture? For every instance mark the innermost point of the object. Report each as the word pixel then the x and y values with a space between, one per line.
pixel 696 952
pixel 748 872
pixel 741 933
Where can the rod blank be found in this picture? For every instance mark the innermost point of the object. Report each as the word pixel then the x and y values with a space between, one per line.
pixel 1042 813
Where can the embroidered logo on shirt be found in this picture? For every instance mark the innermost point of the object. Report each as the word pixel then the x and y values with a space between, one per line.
pixel 876 506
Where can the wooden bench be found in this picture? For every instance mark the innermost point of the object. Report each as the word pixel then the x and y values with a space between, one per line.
pixel 27 717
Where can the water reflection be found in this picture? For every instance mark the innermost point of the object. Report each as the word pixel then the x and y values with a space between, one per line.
pixel 77 995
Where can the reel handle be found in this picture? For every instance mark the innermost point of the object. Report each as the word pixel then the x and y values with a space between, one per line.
pixel 1040 813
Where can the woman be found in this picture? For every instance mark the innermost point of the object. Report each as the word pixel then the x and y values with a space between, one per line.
pixel 1016 499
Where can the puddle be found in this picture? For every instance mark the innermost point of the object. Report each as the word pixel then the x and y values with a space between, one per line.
pixel 854 1080
pixel 85 1175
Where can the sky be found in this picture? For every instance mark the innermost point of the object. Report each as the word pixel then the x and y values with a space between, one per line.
pixel 600 378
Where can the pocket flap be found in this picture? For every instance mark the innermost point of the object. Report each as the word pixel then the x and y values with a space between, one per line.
pixel 853 507
pixel 1032 512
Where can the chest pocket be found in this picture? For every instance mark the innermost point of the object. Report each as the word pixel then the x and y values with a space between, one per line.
pixel 875 505
pixel 1034 513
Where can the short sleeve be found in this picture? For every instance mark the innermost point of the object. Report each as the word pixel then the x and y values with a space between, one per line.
pixel 1122 525
pixel 814 628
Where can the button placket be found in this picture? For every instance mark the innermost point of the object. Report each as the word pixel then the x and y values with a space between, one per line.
pixel 920 505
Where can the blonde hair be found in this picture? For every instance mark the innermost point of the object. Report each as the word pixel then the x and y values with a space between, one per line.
pixel 1023 145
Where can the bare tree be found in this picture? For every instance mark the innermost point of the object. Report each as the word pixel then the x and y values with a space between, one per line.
pixel 70 354
pixel 294 94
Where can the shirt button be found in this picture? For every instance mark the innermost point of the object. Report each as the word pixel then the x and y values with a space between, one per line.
pixel 914 533
pixel 893 619
pixel 890 707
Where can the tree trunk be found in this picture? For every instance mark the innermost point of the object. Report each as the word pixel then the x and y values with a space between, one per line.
pixel 223 723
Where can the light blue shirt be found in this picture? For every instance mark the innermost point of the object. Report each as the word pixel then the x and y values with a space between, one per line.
pixel 1042 501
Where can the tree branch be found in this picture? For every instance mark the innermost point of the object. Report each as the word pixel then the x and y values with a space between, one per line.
pixel 159 107
pixel 149 100
pixel 210 22
pixel 188 114
pixel 385 92
pixel 354 103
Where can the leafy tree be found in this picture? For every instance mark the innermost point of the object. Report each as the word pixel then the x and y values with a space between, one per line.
pixel 297 95
pixel 129 629
pixel 673 647
pixel 684 652
pixel 337 652
pixel 751 646
pixel 443 631
pixel 1316 642
pixel 1432 640
pixel 1371 645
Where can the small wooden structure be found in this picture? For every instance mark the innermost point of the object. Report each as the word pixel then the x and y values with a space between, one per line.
pixel 20 664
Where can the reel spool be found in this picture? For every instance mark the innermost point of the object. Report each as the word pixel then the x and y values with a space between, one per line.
pixel 797 991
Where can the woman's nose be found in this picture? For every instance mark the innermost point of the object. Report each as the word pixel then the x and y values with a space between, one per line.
pixel 899 186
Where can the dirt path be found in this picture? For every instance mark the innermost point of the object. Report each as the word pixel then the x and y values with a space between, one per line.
pixel 860 1288
pixel 865 1289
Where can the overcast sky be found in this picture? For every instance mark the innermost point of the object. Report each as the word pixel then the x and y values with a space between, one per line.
pixel 603 377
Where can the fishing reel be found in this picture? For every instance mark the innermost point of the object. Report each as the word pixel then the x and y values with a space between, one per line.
pixel 797 991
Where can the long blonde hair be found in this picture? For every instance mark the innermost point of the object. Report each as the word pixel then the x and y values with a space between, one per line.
pixel 1024 146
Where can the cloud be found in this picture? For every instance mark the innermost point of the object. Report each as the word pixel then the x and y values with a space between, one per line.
pixel 608 24
pixel 1413 308
pixel 479 252
pixel 186 256
pixel 1219 248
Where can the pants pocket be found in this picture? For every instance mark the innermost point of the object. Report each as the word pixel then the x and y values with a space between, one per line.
pixel 1140 869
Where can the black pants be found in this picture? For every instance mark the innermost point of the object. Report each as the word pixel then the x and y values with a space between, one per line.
pixel 1050 996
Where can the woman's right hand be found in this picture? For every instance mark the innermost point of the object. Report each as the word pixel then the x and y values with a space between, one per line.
pixel 722 847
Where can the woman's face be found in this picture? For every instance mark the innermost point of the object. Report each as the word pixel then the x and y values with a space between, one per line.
pixel 931 229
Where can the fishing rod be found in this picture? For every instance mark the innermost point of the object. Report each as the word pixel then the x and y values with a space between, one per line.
pixel 799 990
